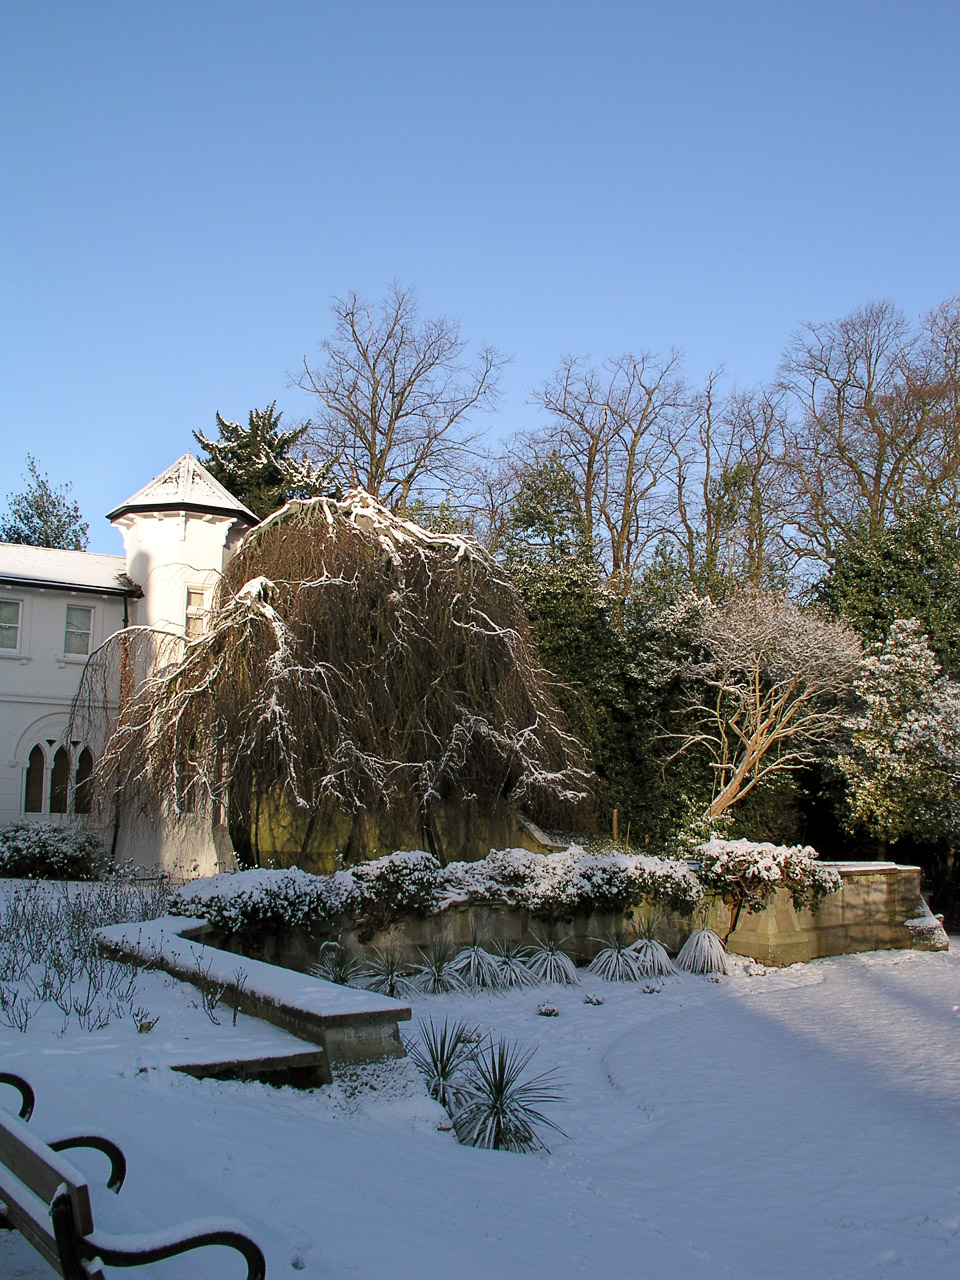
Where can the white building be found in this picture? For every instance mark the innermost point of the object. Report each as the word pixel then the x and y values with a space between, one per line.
pixel 58 607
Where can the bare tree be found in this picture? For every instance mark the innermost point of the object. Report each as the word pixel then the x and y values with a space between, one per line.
pixel 727 512
pixel 610 427
pixel 395 391
pixel 879 420
pixel 769 691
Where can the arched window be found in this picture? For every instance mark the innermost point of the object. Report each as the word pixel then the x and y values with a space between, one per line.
pixel 81 796
pixel 60 781
pixel 33 786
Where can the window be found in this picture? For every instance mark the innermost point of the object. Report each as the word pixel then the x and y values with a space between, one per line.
pixel 60 781
pixel 10 624
pixel 196 614
pixel 33 787
pixel 81 796
pixel 47 787
pixel 76 638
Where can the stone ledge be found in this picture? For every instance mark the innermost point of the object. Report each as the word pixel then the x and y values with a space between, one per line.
pixel 349 1025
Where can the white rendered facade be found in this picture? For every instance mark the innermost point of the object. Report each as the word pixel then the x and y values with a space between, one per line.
pixel 58 607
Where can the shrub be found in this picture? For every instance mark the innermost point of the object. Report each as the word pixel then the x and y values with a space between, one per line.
pixel 388 973
pixel 616 962
pixel 703 952
pixel 745 873
pixel 440 1054
pixel 558 886
pixel 251 902
pixel 400 884
pixel 502 1112
pixel 436 975
pixel 338 964
pixel 651 955
pixel 552 886
pixel 38 851
pixel 511 970
pixel 548 962
pixel 475 964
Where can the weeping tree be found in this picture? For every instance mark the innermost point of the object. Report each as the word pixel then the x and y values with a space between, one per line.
pixel 364 684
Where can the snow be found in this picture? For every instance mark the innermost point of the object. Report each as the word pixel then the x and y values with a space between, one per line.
pixel 162 940
pixel 67 568
pixel 773 1125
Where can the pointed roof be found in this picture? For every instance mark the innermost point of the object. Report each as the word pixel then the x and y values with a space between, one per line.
pixel 186 486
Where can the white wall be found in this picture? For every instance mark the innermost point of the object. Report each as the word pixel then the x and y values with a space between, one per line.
pixel 167 552
pixel 39 680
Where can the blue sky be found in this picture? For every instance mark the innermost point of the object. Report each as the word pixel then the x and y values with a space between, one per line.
pixel 186 186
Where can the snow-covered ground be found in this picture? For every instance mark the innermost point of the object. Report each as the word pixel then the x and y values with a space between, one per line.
pixel 799 1123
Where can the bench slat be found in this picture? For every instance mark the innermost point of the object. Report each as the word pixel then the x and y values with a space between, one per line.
pixel 31 1217
pixel 42 1170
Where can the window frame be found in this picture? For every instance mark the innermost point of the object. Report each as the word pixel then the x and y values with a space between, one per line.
pixel 68 654
pixel 193 613
pixel 16 650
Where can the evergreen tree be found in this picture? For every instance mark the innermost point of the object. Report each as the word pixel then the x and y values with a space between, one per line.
pixel 255 462
pixel 911 569
pixel 44 515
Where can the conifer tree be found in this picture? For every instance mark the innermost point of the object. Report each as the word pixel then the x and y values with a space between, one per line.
pixel 255 462
pixel 44 515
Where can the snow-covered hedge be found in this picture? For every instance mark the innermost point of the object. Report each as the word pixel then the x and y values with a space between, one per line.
pixel 744 873
pixel 38 851
pixel 552 886
pixel 555 886
pixel 572 882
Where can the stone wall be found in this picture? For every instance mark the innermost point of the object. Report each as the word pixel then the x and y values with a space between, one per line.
pixel 879 907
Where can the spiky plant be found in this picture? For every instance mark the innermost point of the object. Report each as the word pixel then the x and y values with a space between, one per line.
pixel 388 973
pixel 475 964
pixel 703 952
pixel 615 962
pixel 436 975
pixel 503 1109
pixel 548 961
pixel 338 964
pixel 651 954
pixel 441 1054
pixel 511 969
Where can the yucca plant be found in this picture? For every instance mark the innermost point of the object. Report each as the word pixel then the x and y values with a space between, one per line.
pixel 511 969
pixel 441 1054
pixel 703 952
pixel 548 962
pixel 502 1111
pixel 651 955
pixel 615 962
pixel 475 964
pixel 436 975
pixel 338 964
pixel 388 973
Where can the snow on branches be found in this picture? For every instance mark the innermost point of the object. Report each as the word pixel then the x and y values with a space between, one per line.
pixel 549 886
pixel 353 660
pixel 745 872
pixel 767 690
pixel 902 762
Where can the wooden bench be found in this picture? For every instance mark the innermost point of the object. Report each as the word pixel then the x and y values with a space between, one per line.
pixel 46 1199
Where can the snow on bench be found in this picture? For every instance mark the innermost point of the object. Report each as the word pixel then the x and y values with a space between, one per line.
pixel 47 1199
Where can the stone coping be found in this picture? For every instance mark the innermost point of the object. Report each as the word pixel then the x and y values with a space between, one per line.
pixel 349 1024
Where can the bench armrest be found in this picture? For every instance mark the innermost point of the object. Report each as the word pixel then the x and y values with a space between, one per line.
pixel 138 1250
pixel 27 1096
pixel 118 1162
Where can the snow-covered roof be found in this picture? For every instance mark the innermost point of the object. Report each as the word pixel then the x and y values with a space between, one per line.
pixel 45 567
pixel 186 486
